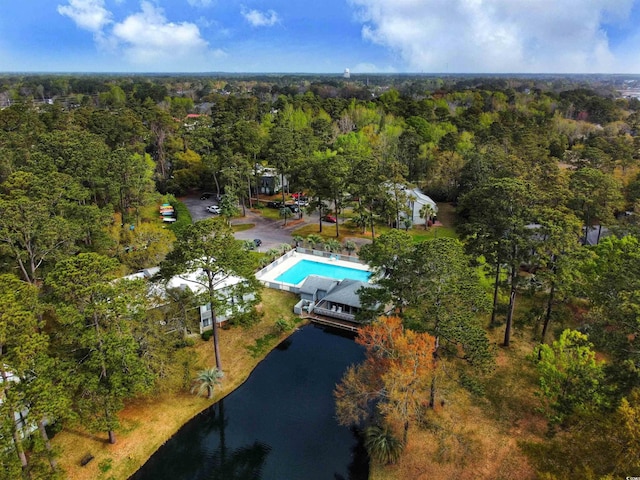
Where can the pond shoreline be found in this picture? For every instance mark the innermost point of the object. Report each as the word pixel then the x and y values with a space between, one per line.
pixel 224 392
pixel 148 423
pixel 278 425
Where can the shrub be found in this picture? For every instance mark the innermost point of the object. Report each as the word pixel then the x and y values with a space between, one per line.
pixel 262 345
pixel 105 465
pixel 206 335
pixel 182 214
pixel 184 342
pixel 382 445
pixel 246 319
pixel 283 325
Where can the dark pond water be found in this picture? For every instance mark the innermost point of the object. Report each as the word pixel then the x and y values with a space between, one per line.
pixel 279 425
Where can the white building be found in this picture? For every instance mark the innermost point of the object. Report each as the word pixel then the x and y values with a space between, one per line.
pixel 416 200
pixel 23 427
pixel 237 299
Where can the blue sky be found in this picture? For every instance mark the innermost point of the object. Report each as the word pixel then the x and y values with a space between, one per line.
pixel 326 36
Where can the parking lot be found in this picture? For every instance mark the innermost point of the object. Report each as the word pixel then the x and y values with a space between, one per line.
pixel 198 208
pixel 271 232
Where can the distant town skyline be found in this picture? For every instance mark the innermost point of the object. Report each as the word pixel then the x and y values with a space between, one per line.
pixel 280 36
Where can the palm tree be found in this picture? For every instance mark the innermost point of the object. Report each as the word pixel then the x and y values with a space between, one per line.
pixel 264 261
pixel 285 247
pixel 206 381
pixel 285 212
pixel 298 240
pixel 382 445
pixel 314 240
pixel 273 253
pixel 427 211
pixel 350 246
pixel 333 246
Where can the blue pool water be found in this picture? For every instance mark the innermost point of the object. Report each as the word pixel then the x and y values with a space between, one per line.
pixel 303 268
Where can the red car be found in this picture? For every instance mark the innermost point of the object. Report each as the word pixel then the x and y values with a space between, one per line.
pixel 330 219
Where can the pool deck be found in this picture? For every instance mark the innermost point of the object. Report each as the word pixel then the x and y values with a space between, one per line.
pixel 269 274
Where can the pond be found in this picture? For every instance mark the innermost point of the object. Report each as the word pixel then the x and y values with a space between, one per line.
pixel 279 425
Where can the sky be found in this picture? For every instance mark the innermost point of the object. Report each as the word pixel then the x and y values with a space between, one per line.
pixel 321 36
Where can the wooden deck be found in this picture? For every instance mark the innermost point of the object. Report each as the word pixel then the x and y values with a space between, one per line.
pixel 332 322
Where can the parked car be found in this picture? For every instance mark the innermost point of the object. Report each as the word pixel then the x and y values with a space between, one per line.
pixel 302 202
pixel 215 209
pixel 257 242
pixel 293 208
pixel 330 219
pixel 205 196
pixel 274 204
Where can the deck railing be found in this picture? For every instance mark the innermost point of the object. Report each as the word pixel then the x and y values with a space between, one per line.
pixel 334 314
pixel 337 256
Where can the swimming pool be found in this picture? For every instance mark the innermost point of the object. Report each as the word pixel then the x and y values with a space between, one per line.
pixel 298 272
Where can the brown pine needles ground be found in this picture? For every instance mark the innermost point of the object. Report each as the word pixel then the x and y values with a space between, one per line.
pixel 149 422
pixel 477 438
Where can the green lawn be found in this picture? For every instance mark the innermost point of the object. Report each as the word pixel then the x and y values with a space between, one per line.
pixel 272 213
pixel 241 227
pixel 419 234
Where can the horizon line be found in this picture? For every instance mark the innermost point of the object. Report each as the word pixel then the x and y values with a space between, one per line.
pixel 337 74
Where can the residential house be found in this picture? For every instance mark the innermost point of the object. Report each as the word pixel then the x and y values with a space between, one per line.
pixel 23 426
pixel 594 234
pixel 411 202
pixel 269 181
pixel 416 200
pixel 238 299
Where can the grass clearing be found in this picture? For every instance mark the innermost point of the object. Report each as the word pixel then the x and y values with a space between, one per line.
pixel 149 422
pixel 272 213
pixel 460 442
pixel 241 227
pixel 477 437
pixel 349 231
pixel 446 228
pixel 481 437
pixel 420 235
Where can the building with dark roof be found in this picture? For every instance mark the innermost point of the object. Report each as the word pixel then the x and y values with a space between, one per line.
pixel 338 299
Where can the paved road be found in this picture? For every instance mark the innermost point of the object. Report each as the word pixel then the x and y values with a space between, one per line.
pixel 198 208
pixel 271 232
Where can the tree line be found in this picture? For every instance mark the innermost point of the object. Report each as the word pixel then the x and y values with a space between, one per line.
pixel 534 170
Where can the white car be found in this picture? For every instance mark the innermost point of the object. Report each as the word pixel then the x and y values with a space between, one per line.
pixel 214 209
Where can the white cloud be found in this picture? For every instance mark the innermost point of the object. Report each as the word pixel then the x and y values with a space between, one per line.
pixel 495 35
pixel 260 19
pixel 148 38
pixel 87 14
pixel 200 3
